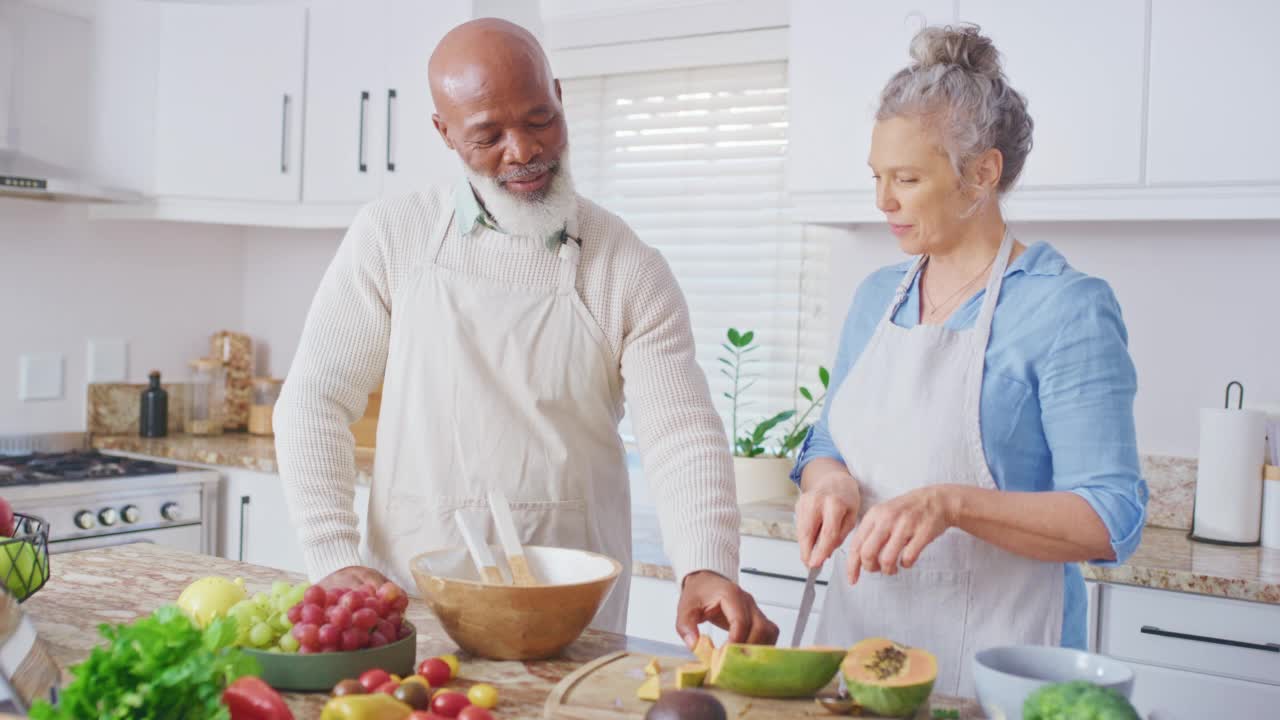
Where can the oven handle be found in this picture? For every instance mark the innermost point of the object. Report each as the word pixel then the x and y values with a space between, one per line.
pixel 127 540
pixel 244 511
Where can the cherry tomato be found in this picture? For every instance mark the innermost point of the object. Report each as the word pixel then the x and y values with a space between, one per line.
pixel 483 695
pixel 449 704
pixel 388 687
pixel 372 679
pixel 436 671
pixel 475 712
pixel 452 662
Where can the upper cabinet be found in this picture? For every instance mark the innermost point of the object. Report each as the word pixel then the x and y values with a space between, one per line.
pixel 1085 99
pixel 1215 95
pixel 229 100
pixel 369 129
pixel 1143 109
pixel 842 54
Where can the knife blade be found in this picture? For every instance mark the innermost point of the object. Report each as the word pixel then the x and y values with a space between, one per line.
pixel 521 573
pixel 806 604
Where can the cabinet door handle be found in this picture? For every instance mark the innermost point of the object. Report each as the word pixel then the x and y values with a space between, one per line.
pixel 1265 647
pixel 777 576
pixel 364 106
pixel 284 135
pixel 244 514
pixel 391 97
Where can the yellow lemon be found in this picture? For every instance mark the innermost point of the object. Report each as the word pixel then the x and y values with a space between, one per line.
pixel 210 597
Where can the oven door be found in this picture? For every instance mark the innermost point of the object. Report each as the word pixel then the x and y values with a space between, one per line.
pixel 185 537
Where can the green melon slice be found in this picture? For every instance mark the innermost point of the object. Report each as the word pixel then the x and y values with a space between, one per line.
pixel 767 671
pixel 887 678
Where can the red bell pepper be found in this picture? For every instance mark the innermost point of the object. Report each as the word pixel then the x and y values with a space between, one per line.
pixel 249 698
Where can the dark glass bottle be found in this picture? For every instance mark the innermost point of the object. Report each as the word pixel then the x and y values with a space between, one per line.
pixel 153 417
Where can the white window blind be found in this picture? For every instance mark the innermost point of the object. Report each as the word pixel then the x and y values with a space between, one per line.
pixel 693 160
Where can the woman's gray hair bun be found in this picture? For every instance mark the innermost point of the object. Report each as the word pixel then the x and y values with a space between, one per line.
pixel 957 79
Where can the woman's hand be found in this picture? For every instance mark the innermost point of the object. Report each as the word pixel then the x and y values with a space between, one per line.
pixel 895 532
pixel 826 511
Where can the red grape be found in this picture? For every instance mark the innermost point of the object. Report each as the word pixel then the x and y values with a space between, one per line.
pixel 394 618
pixel 369 589
pixel 376 639
pixel 389 591
pixel 338 616
pixel 335 595
pixel 312 614
pixel 364 619
pixel 307 649
pixel 401 603
pixel 353 600
pixel 315 595
pixel 373 604
pixel 353 639
pixel 405 631
pixel 385 629
pixel 295 614
pixel 329 635
pixel 306 634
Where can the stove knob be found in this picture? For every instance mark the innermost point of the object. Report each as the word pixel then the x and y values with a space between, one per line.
pixel 130 514
pixel 108 516
pixel 170 511
pixel 84 520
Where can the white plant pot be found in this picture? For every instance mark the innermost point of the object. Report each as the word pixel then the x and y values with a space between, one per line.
pixel 763 478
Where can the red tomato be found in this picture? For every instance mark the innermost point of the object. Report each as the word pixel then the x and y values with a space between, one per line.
pixel 422 715
pixel 388 687
pixel 6 518
pixel 436 671
pixel 373 679
pixel 449 704
pixel 475 712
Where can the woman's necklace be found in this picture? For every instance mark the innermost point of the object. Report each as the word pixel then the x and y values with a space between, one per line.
pixel 934 310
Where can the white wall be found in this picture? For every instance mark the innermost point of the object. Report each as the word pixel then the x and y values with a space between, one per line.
pixel 63 280
pixel 282 269
pixel 1201 302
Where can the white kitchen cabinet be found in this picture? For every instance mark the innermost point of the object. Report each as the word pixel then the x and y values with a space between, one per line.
pixel 255 525
pixel 1214 95
pixel 842 54
pixel 1086 104
pixel 369 129
pixel 229 101
pixel 651 614
pixel 1193 656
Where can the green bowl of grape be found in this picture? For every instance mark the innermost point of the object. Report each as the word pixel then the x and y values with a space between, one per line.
pixel 307 638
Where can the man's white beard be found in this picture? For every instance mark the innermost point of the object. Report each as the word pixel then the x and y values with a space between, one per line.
pixel 540 215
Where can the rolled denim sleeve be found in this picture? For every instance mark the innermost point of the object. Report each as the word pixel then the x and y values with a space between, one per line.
pixel 1087 385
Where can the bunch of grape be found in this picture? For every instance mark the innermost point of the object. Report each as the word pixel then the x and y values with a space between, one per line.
pixel 262 620
pixel 345 620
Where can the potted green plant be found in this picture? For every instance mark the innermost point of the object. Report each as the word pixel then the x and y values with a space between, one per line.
pixel 761 466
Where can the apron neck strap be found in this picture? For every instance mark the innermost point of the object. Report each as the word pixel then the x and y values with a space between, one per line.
pixel 570 253
pixel 439 234
pixel 989 298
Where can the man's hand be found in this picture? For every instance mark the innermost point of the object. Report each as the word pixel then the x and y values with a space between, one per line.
pixel 352 577
pixel 709 597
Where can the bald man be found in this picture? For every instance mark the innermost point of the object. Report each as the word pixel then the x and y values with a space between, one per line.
pixel 505 317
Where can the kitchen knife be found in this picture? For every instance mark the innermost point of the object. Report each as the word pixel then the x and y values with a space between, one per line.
pixel 510 539
pixel 486 566
pixel 806 604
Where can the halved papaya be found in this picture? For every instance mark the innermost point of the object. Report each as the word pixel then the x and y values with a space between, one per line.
pixel 703 649
pixel 767 671
pixel 887 678
pixel 690 675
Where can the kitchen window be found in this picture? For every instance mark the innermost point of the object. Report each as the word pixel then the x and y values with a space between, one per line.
pixel 694 161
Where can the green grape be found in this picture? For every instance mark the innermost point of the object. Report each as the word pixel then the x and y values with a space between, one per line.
pixel 279 588
pixel 288 643
pixel 280 621
pixel 261 635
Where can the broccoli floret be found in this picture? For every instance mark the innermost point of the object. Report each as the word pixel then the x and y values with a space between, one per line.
pixel 1079 700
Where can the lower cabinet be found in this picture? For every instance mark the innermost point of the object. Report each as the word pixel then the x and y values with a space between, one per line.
pixel 255 525
pixel 1161 693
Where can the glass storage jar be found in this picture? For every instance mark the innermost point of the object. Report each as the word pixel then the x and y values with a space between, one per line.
pixel 265 392
pixel 206 411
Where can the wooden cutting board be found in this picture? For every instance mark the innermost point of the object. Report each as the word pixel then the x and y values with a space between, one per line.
pixel 605 689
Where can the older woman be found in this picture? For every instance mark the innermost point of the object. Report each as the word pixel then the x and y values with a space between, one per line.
pixel 979 439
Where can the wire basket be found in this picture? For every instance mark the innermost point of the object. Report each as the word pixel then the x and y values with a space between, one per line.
pixel 24 558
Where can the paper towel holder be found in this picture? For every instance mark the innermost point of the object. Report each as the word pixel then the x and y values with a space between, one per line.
pixel 1191 533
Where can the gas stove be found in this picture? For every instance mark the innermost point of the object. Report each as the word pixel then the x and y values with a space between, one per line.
pixel 94 499
pixel 40 468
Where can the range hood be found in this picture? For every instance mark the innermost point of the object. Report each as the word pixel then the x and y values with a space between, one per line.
pixel 29 177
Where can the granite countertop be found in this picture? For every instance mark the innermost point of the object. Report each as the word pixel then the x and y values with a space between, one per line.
pixel 122 583
pixel 233 450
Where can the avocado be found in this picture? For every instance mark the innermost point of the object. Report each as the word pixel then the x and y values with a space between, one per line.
pixel 686 705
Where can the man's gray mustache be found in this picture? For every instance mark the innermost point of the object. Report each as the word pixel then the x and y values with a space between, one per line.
pixel 528 171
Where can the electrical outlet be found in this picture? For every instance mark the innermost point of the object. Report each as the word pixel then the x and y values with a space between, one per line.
pixel 40 376
pixel 108 361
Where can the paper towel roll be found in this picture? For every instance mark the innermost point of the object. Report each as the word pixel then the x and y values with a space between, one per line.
pixel 1229 479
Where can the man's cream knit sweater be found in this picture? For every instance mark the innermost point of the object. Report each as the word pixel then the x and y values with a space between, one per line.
pixel 628 289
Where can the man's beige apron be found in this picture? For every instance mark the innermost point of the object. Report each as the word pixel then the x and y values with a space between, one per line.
pixel 907 417
pixel 494 386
